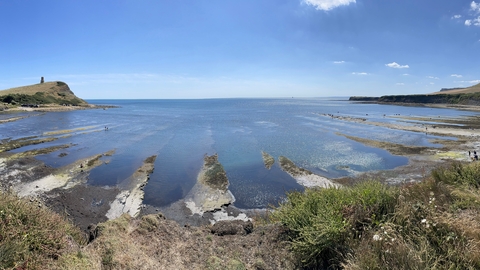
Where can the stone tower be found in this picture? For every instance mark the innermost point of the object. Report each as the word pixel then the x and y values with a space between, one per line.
pixel 41 80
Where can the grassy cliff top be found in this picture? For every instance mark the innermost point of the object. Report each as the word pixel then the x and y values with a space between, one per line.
pixel 467 90
pixel 43 93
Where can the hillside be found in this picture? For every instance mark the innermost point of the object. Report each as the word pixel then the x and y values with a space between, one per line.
pixel 43 93
pixel 467 90
pixel 469 96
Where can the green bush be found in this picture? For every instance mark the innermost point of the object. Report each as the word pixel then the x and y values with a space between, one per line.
pixel 323 221
pixel 459 174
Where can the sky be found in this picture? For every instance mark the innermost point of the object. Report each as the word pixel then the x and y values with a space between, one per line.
pixel 178 49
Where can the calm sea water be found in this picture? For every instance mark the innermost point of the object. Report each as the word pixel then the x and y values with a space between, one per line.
pixel 181 132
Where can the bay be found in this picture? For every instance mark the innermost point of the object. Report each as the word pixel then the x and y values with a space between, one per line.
pixel 181 132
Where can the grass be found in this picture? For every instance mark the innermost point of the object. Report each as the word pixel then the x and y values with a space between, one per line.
pixel 31 237
pixel 434 224
pixel 428 225
pixel 323 221
pixel 43 93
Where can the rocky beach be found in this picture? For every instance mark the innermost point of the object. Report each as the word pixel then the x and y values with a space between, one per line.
pixel 66 191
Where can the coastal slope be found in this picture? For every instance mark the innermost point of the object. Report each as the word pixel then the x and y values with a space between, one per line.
pixel 56 92
pixel 469 96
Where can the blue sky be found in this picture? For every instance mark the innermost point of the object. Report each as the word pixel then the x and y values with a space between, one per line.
pixel 113 49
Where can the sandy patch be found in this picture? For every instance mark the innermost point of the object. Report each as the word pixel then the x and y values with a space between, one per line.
pixel 41 186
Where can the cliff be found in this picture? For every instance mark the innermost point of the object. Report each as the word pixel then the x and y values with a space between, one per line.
pixel 43 93
pixel 461 96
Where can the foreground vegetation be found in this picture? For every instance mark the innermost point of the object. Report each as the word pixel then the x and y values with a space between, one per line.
pixel 430 225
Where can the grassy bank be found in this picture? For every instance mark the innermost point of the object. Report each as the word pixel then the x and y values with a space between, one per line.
pixel 430 225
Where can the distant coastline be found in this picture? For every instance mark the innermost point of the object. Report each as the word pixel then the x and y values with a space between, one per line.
pixel 463 98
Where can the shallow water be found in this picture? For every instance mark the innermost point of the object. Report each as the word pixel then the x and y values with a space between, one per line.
pixel 181 132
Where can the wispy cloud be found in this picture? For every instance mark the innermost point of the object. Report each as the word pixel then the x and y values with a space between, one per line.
pixel 432 83
pixel 399 83
pixel 359 73
pixel 475 7
pixel 432 77
pixel 396 65
pixel 328 4
pixel 338 62
pixel 406 74
pixel 456 16
pixel 456 76
pixel 470 82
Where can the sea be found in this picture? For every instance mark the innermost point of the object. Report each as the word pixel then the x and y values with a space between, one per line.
pixel 182 132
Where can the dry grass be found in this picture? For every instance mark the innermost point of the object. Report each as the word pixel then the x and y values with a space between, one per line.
pixel 48 87
pixel 152 242
pixel 42 93
pixel 471 89
pixel 434 224
pixel 31 236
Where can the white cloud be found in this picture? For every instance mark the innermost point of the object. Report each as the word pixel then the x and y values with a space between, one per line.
pixel 395 65
pixel 431 77
pixel 400 83
pixel 406 74
pixel 328 4
pixel 432 83
pixel 359 73
pixel 456 75
pixel 456 16
pixel 475 22
pixel 338 62
pixel 475 6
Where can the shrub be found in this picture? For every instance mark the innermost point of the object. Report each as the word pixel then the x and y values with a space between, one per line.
pixel 323 221
pixel 459 174
pixel 435 225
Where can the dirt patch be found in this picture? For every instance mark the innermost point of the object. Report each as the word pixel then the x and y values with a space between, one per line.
pixel 82 204
pixel 153 242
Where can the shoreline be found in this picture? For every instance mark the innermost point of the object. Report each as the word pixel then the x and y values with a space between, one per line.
pixel 65 189
pixel 53 108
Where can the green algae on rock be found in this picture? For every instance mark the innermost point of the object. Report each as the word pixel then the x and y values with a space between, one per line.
pixel 268 160
pixel 211 190
pixel 214 174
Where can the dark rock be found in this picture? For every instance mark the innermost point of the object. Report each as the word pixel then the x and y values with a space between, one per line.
pixel 232 227
pixel 92 231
